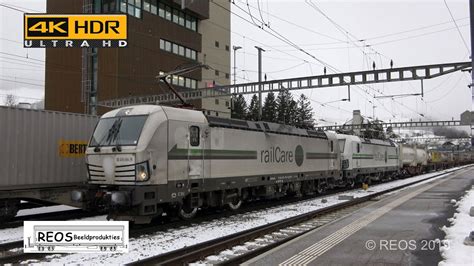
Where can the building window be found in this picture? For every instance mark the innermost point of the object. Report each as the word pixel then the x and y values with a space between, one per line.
pixel 175 48
pixel 168 13
pixel 226 103
pixel 109 6
pixel 217 101
pixel 161 10
pixel 181 81
pixel 227 47
pixel 178 49
pixel 131 7
pixel 193 24
pixel 216 72
pixel 217 114
pixel 123 7
pixel 146 5
pixel 181 19
pixel 153 7
pixel 188 21
pixel 216 44
pixel 227 75
pixel 188 52
pixel 175 15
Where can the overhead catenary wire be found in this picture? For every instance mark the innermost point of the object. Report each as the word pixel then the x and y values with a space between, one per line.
pixel 340 28
pixel 300 26
pixel 323 63
pixel 454 21
pixel 19 9
pixel 382 36
pixel 260 12
pixel 383 42
pixel 22 82
pixel 329 66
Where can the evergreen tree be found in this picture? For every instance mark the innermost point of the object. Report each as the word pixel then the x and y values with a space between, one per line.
pixel 292 113
pixel 284 100
pixel 239 108
pixel 253 109
pixel 269 109
pixel 304 113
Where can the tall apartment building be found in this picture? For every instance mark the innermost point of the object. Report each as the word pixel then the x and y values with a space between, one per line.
pixel 162 36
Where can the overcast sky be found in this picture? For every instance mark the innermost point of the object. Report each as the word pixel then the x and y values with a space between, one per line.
pixel 407 32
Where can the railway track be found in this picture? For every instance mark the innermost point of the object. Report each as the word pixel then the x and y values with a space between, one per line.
pixel 268 236
pixel 12 252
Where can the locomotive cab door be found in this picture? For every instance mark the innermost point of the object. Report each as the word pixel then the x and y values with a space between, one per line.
pixel 198 146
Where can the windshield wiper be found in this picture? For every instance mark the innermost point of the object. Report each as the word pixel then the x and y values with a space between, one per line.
pixel 109 135
pixel 116 137
pixel 97 147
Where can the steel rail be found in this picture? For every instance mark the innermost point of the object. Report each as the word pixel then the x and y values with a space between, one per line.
pixel 202 250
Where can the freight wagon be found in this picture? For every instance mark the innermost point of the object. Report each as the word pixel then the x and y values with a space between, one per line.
pixel 413 159
pixel 42 157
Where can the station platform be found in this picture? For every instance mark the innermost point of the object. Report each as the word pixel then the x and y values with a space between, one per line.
pixel 398 229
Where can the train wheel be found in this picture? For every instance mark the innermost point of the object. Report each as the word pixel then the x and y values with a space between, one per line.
pixel 187 213
pixel 235 204
pixel 320 189
pixel 351 182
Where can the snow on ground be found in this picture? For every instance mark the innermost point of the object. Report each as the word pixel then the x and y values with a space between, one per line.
pixel 172 239
pixel 15 234
pixel 461 225
pixel 49 209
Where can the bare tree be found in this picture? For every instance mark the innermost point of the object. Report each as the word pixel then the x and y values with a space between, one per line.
pixel 11 100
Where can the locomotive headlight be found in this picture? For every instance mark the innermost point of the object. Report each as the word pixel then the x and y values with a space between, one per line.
pixel 142 172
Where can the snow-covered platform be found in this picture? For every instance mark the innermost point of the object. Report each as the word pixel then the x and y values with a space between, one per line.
pixel 403 228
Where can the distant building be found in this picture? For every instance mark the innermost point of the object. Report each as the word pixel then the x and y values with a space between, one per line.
pixel 161 37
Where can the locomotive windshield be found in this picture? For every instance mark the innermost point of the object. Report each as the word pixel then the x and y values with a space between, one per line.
pixel 118 131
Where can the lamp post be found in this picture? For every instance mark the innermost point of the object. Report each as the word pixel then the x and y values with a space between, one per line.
pixel 260 50
pixel 235 48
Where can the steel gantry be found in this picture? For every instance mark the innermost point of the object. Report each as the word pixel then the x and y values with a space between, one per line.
pixel 322 81
pixel 408 124
pixel 428 139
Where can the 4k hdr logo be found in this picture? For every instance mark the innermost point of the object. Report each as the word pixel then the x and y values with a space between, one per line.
pixel 80 31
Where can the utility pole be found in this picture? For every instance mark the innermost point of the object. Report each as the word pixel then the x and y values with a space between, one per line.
pixel 260 81
pixel 471 15
pixel 235 48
